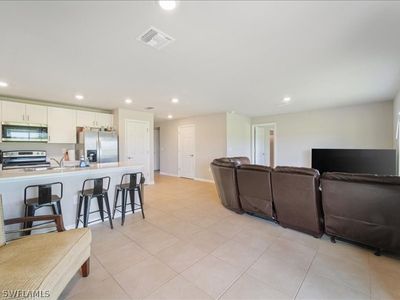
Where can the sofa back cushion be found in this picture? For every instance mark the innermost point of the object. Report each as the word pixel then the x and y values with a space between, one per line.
pixel 2 233
pixel 297 199
pixel 363 208
pixel 224 173
pixel 255 193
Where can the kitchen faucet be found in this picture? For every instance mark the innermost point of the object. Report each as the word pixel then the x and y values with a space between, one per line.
pixel 59 162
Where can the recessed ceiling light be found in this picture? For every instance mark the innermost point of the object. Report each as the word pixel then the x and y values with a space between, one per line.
pixel 170 116
pixel 3 84
pixel 174 100
pixel 167 4
pixel 128 101
pixel 79 97
pixel 286 100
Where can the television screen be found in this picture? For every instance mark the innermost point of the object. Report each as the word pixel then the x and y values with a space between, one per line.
pixel 380 162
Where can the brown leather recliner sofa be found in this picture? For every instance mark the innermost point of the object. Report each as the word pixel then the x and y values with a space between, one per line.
pixel 255 193
pixel 363 208
pixel 224 173
pixel 297 199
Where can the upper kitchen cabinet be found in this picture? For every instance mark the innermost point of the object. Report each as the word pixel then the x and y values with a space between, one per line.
pixel 104 120
pixel 62 125
pixel 13 112
pixel 23 113
pixel 93 119
pixel 85 118
pixel 36 114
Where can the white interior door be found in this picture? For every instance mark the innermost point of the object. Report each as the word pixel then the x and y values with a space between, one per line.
pixel 186 151
pixel 260 143
pixel 137 144
pixel 156 149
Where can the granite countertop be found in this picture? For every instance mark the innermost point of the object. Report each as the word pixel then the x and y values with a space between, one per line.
pixel 6 175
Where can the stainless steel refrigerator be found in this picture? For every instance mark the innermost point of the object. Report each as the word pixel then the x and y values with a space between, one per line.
pixel 97 146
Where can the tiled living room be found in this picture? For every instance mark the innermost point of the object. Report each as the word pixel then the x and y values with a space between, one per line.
pixel 183 149
pixel 190 247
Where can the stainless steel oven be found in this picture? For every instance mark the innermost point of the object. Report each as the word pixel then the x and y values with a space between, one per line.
pixel 24 159
pixel 15 132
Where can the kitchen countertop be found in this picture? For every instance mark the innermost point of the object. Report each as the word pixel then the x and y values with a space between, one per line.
pixel 56 172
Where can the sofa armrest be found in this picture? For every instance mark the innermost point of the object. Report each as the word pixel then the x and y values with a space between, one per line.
pixel 56 218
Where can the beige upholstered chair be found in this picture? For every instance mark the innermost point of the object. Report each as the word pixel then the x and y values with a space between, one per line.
pixel 41 265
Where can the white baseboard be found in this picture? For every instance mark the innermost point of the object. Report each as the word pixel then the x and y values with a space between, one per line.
pixel 168 174
pixel 204 180
pixel 196 178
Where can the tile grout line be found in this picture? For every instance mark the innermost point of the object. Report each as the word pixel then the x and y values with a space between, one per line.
pixel 244 272
pixel 305 276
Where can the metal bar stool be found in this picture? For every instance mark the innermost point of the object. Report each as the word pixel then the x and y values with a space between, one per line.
pixel 99 189
pixel 130 183
pixel 43 198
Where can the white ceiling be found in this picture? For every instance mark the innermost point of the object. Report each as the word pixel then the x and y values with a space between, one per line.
pixel 228 55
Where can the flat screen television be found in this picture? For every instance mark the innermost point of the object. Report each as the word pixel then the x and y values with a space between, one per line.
pixel 367 161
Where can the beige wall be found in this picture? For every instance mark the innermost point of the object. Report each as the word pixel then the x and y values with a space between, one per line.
pixel 210 143
pixel 120 115
pixel 360 126
pixel 238 135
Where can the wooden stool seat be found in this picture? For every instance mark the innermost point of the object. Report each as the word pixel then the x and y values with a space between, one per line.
pixel 44 198
pixel 35 201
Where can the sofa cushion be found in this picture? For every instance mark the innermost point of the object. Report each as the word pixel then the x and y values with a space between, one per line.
pixel 362 178
pixel 255 194
pixel 297 170
pixel 39 262
pixel 297 199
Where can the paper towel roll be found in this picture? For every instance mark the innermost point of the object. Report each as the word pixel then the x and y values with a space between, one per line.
pixel 71 154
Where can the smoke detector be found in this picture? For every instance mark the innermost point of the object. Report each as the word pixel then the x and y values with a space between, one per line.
pixel 155 38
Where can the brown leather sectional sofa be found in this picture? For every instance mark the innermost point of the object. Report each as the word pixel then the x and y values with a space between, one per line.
pixel 224 172
pixel 255 191
pixel 297 199
pixel 360 208
pixel 363 209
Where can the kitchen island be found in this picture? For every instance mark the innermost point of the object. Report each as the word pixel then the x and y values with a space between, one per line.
pixel 13 183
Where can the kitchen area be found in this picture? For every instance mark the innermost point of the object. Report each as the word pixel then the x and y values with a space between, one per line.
pixel 43 144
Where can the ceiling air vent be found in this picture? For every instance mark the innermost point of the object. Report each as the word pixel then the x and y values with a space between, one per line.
pixel 155 38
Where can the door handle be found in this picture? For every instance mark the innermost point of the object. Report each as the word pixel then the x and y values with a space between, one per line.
pixel 191 155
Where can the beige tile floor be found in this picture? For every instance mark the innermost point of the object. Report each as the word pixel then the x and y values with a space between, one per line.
pixel 190 247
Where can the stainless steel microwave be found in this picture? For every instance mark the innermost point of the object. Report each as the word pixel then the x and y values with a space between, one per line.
pixel 16 132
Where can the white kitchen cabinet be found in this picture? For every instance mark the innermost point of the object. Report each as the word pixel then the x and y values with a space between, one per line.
pixel 104 120
pixel 23 113
pixel 61 125
pixel 93 119
pixel 36 114
pixel 13 112
pixel 85 118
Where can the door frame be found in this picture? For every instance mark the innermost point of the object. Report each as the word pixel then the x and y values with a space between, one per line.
pixel 253 140
pixel 179 151
pixel 148 142
pixel 154 148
